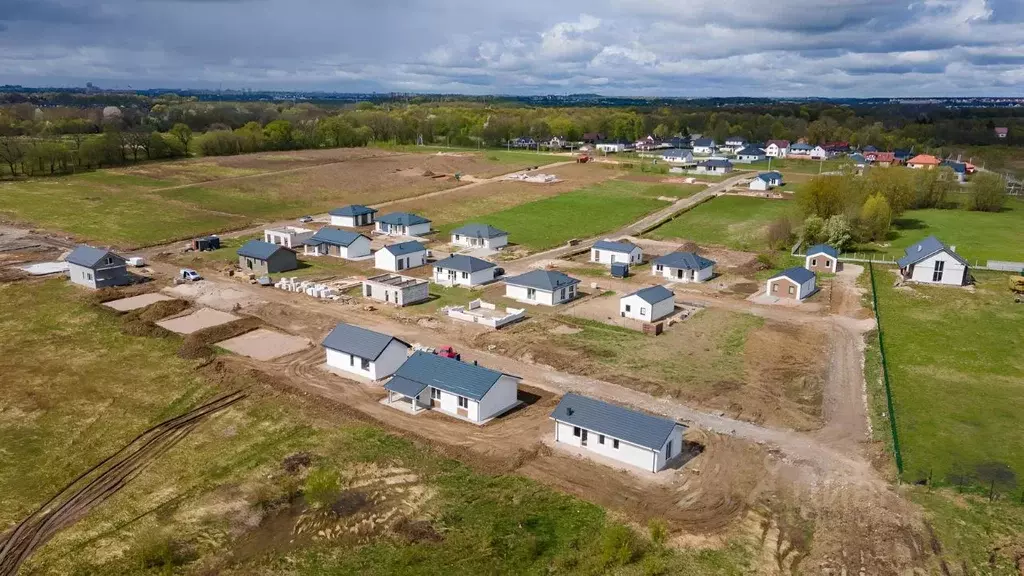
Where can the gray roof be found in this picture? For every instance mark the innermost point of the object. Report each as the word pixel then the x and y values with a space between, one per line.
pixel 463 263
pixel 334 236
pixel 404 386
pixel 925 248
pixel 823 249
pixel 653 294
pixel 623 247
pixel 403 248
pixel 260 250
pixel 547 280
pixel 358 341
pixel 801 146
pixel 716 163
pixel 739 139
pixel 684 260
pixel 769 176
pixel 751 151
pixel 704 142
pixel 797 274
pixel 352 210
pixel 448 374
pixel 89 257
pixel 631 426
pixel 402 219
pixel 479 231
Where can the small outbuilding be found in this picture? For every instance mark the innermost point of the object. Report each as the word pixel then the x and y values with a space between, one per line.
pixel 632 437
pixel 396 289
pixel 479 236
pixel 546 287
pixel 462 270
pixel 364 352
pixel 400 256
pixel 403 224
pixel 259 257
pixel 466 391
pixel 648 304
pixel 932 262
pixel 352 216
pixel 97 268
pixel 337 242
pixel 683 267
pixel 206 243
pixel 287 236
pixel 795 283
pixel 822 258
pixel 609 252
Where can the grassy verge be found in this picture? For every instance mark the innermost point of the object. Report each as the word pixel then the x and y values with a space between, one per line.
pixel 737 222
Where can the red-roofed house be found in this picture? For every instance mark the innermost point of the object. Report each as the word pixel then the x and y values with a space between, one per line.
pixel 881 158
pixel 1002 132
pixel 924 161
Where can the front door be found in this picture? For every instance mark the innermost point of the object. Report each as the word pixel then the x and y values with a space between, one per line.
pixel 401 264
pixel 452 275
pixel 679 274
pixel 583 438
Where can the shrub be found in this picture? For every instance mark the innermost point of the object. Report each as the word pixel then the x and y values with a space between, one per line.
pixel 987 192
pixel 619 546
pixel 658 531
pixel 766 260
pixel 161 550
pixel 322 488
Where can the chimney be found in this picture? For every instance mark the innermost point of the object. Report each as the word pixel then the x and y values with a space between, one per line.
pixel 474 362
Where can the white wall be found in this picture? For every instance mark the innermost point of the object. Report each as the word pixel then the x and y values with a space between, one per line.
pixel 702 275
pixel 384 260
pixel 542 297
pixel 489 243
pixel 703 150
pixel 499 399
pixel 627 453
pixel 609 257
pixel 350 221
pixel 400 296
pixel 390 359
pixel 639 309
pixel 359 248
pixel 952 271
pixel 414 230
pixel 288 239
pixel 758 184
pixel 81 275
pixel 676 439
pixel 471 278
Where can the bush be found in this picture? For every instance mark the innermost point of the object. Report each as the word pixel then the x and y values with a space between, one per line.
pixel 163 551
pixel 658 531
pixel 779 233
pixel 619 546
pixel 766 261
pixel 322 488
pixel 987 192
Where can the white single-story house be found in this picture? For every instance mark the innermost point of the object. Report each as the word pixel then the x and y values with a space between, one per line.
pixel 648 304
pixel 480 236
pixel 750 155
pixel 364 352
pixel 462 270
pixel 401 256
pixel 733 143
pixel 678 156
pixel 820 153
pixel 822 258
pixel 609 252
pixel 547 287
pixel 402 224
pixel 683 267
pixel 97 268
pixel 287 236
pixel 396 289
pixel 337 242
pixel 352 216
pixel 628 436
pixel 932 262
pixel 796 283
pixel 777 148
pixel 463 390
pixel 766 181
pixel 800 149
pixel 614 147
pixel 704 147
pixel 714 166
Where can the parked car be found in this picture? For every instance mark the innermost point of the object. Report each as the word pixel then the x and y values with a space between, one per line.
pixel 189 274
pixel 305 219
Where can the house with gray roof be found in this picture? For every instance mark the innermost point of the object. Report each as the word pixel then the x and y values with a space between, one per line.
pixel 479 236
pixel 932 262
pixel 546 287
pixel 608 252
pixel 704 147
pixel 794 283
pixel 97 268
pixel 801 150
pixel 352 216
pixel 466 391
pixel 403 224
pixel 606 430
pixel 261 258
pixel 750 154
pixel 683 267
pixel 400 256
pixel 364 353
pixel 462 270
pixel 714 166
pixel 648 304
pixel 766 181
pixel 337 242
pixel 822 258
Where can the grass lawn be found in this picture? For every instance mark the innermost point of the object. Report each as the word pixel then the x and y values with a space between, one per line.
pixel 109 208
pixel 737 222
pixel 956 373
pixel 222 503
pixel 581 213
pixel 786 165
pixel 672 190
pixel 978 236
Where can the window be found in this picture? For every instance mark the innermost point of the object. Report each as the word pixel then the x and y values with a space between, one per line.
pixel 627 307
pixel 563 294
pixel 351 360
pixel 597 255
pixel 465 275
pixel 435 394
pixel 365 363
pixel 792 289
pixel 658 267
pixel 576 431
pixel 531 294
pixel 109 260
pixel 463 402
pixel 615 443
pixel 600 438
pixel 814 261
pixel 457 238
pixel 937 274
pixel 89 274
pixel 643 311
pixel 775 287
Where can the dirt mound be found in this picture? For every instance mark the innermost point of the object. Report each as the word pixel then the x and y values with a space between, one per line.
pixel 416 530
pixel 160 310
pixel 200 344
pixel 137 327
pixel 294 463
pixel 107 294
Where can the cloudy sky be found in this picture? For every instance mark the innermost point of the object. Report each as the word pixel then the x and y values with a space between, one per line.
pixel 613 47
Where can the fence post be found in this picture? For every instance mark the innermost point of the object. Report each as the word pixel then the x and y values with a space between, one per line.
pixel 885 376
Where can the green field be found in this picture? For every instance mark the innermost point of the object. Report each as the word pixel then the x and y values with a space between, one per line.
pixel 582 213
pixel 956 373
pixel 737 222
pixel 785 165
pixel 110 208
pixel 978 236
pixel 222 503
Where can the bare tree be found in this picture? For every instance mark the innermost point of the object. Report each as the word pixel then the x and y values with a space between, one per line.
pixel 12 152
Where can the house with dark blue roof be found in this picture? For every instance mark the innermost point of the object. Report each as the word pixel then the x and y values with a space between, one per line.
pixel 610 252
pixel 462 270
pixel 714 166
pixel 460 389
pixel 683 267
pixel 932 262
pixel 704 147
pixel 363 352
pixel 479 236
pixel 402 224
pixel 750 154
pixel 97 268
pixel 766 181
pixel 547 287
pixel 400 256
pixel 648 304
pixel 821 258
pixel 624 435
pixel 261 258
pixel 959 169
pixel 336 242
pixel 794 283
pixel 352 215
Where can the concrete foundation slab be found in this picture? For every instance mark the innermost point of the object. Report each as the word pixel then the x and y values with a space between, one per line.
pixel 202 318
pixel 136 302
pixel 264 344
pixel 44 268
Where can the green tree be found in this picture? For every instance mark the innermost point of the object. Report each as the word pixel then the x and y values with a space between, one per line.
pixel 987 192
pixel 184 135
pixel 278 134
pixel 875 218
pixel 932 187
pixel 158 146
pixel 814 230
pixel 895 184
pixel 838 232
pixel 822 196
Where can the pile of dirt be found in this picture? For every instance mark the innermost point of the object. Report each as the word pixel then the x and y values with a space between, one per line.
pixel 295 463
pixel 160 310
pixel 416 530
pixel 198 345
pixel 137 327
pixel 107 294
